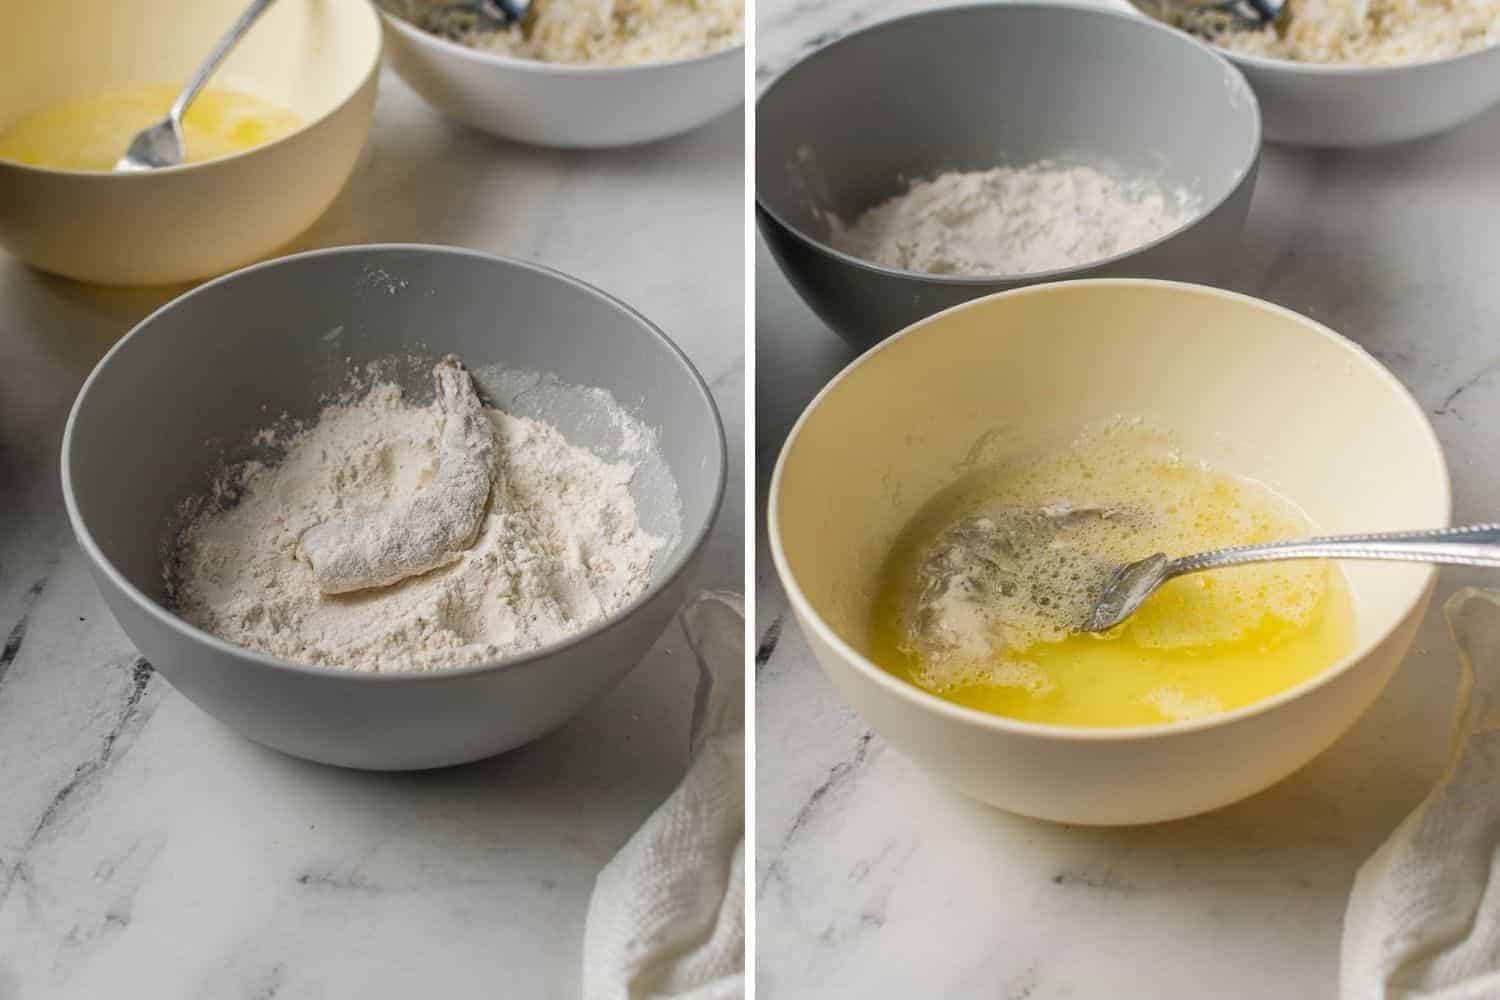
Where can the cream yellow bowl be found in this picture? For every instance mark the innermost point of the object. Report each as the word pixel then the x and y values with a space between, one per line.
pixel 318 59
pixel 1252 388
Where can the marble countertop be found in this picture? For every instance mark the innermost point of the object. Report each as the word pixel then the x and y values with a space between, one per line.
pixel 148 851
pixel 873 881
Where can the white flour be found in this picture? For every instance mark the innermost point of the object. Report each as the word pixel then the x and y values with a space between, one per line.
pixel 1013 220
pixel 559 547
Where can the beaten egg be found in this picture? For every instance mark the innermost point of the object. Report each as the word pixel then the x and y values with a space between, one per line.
pixel 980 598
pixel 92 133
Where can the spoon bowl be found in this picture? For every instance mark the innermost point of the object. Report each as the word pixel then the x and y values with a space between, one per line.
pixel 161 145
pixel 1126 590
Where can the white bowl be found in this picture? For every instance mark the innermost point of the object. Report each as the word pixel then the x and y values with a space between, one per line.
pixel 1310 104
pixel 552 104
pixel 1253 388
pixel 1321 104
pixel 317 58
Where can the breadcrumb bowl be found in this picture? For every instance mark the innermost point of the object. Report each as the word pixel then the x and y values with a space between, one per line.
pixel 319 59
pixel 564 105
pixel 1344 105
pixel 278 337
pixel 1307 104
pixel 1300 409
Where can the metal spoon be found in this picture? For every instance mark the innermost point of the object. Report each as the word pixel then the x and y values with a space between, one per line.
pixel 498 14
pixel 1131 584
pixel 1246 14
pixel 488 15
pixel 1256 12
pixel 161 145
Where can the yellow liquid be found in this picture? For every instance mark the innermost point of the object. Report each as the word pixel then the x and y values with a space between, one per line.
pixel 92 133
pixel 1205 643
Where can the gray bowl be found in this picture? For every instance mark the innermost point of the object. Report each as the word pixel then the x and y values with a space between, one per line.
pixel 207 368
pixel 970 88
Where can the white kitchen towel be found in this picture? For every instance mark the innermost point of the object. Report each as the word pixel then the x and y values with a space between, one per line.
pixel 668 914
pixel 1424 917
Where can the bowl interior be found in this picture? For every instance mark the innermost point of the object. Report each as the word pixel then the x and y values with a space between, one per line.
pixel 307 56
pixel 1008 84
pixel 199 377
pixel 1253 389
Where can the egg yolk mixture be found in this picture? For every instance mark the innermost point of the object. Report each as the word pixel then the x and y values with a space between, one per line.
pixel 980 599
pixel 91 133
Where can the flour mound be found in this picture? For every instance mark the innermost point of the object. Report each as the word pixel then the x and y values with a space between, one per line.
pixel 1014 220
pixel 560 546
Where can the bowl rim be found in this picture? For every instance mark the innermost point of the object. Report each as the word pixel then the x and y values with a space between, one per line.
pixel 1242 175
pixel 687 548
pixel 371 71
pixel 963 715
pixel 464 52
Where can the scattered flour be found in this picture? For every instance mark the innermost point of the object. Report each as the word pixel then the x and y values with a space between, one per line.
pixel 1013 220
pixel 558 549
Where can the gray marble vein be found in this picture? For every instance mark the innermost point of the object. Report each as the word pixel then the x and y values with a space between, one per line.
pixel 147 851
pixel 876 882
pixel 17 634
pixel 768 641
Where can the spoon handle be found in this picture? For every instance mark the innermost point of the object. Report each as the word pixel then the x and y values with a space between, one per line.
pixel 221 49
pixel 1473 545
